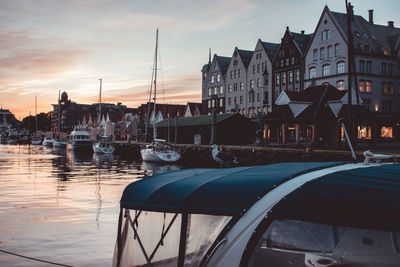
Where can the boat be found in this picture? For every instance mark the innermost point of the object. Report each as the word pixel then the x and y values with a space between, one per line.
pixel 36 141
pixel 158 150
pixel 283 214
pixel 60 144
pixel 48 141
pixel 79 140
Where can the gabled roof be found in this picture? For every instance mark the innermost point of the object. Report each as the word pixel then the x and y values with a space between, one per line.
pixel 229 191
pixel 197 120
pixel 223 63
pixel 193 107
pixel 245 55
pixel 301 40
pixel 270 49
pixel 377 37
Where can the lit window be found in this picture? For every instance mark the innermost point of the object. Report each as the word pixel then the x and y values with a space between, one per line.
pixel 340 85
pixel 340 67
pixel 384 88
pixel 368 86
pixel 241 86
pixel 209 103
pixel 364 132
pixel 297 76
pixel 258 82
pixel 386 51
pixel 251 84
pixel 218 77
pixel 361 86
pixel 209 91
pixel 387 132
pixel 326 70
pixel 221 90
pixel 313 72
pixel 290 77
pixel 277 79
pixel 284 78
pixel 212 78
pixel 230 88
pixel 215 90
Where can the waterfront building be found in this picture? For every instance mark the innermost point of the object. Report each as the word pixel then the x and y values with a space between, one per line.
pixel 236 82
pixel 376 59
pixel 259 80
pixel 213 84
pixel 192 109
pixel 288 64
pixel 7 119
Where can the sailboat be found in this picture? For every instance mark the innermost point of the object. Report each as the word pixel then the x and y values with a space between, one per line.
pixel 158 150
pixel 104 145
pixel 36 141
pixel 58 143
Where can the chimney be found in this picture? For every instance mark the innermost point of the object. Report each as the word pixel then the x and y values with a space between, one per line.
pixel 371 16
pixel 391 24
pixel 302 32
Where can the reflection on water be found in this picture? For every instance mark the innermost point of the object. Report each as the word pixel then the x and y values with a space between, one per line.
pixel 63 207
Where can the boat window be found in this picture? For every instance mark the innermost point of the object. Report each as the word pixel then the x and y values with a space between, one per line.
pixel 299 243
pixel 153 238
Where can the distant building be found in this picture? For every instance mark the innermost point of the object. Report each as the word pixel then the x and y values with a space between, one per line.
pixel 7 119
pixel 214 84
pixel 192 109
pixel 288 64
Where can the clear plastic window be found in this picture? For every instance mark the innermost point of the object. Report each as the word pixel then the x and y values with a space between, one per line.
pixel 298 243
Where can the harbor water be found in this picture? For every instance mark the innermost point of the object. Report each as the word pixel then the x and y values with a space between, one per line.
pixel 62 207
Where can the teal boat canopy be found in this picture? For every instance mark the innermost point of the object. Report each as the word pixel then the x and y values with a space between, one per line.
pixel 212 191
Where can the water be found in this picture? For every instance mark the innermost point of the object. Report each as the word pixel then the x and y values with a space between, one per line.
pixel 62 207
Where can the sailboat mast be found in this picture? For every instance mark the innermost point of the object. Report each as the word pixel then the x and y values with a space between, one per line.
pixel 36 114
pixel 155 89
pixel 101 82
pixel 59 113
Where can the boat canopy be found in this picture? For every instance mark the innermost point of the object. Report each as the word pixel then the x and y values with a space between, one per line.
pixel 212 191
pixel 362 197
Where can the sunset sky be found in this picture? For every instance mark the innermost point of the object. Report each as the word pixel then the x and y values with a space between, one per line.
pixel 52 45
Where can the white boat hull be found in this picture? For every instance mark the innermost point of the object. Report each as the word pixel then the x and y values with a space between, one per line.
pixel 98 148
pixel 149 154
pixel 60 144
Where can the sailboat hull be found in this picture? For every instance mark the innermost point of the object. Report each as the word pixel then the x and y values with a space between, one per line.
pixel 150 154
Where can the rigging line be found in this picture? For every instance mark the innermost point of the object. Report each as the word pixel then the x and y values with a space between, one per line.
pixel 35 259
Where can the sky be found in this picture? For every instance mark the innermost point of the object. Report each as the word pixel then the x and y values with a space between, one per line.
pixel 47 46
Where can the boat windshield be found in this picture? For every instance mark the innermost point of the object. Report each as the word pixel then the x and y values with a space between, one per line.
pixel 155 238
pixel 299 243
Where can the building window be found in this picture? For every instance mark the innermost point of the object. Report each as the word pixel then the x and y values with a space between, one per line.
pixel 209 91
pixel 340 85
pixel 290 77
pixel 362 66
pixel 241 99
pixel 361 86
pixel 258 68
pixel 386 51
pixel 315 54
pixel 259 82
pixel 297 76
pixel 313 72
pixel 215 90
pixel 326 35
pixel 218 77
pixel 386 106
pixel 387 132
pixel 326 70
pixel 239 73
pixel 209 103
pixel 251 84
pixel 258 97
pixel 241 86
pixel 266 99
pixel 390 69
pixel 263 66
pixel 340 67
pixel 213 103
pixel 364 132
pixel 229 101
pixel 277 78
pixel 384 88
pixel 369 66
pixel 337 50
pixel 212 78
pixel 231 74
pixel 287 62
pixel 282 63
pixel 368 87
pixel 230 88
pixel 390 89
pixel 221 90
pixel 235 100
pixel 293 60
pixel 329 51
pixel 235 87
pixel 384 66
pixel 284 78
pixel 235 74
pixel 254 69
pixel 322 53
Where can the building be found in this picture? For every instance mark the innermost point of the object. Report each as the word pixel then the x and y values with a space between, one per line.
pixel 288 64
pixel 259 84
pixel 236 82
pixel 198 130
pixel 376 67
pixel 192 109
pixel 213 84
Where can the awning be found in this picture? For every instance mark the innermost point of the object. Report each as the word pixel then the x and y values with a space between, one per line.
pixel 362 197
pixel 212 191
